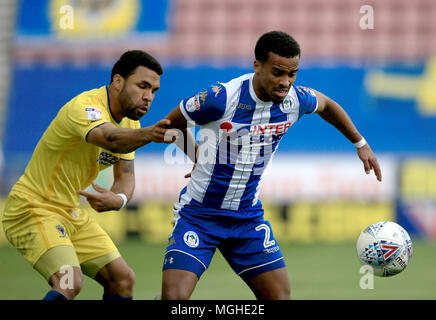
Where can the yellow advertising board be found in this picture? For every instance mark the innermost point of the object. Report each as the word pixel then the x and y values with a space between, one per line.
pixel 299 222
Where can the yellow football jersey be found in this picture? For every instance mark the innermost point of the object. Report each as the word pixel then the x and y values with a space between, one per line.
pixel 63 161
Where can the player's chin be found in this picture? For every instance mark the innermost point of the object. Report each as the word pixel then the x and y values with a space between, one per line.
pixel 277 100
pixel 137 114
pixel 134 116
pixel 278 96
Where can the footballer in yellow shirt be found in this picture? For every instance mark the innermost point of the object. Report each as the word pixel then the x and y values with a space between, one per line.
pixel 96 129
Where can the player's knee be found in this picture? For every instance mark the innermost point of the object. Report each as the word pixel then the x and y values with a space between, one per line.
pixel 174 290
pixel 124 282
pixel 68 283
pixel 279 292
pixel 129 279
pixel 78 283
pixel 175 293
pixel 284 293
pixel 178 284
pixel 71 290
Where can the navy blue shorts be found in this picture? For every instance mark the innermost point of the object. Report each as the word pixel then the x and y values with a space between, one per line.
pixel 248 245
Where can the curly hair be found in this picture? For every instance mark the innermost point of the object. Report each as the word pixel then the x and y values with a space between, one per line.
pixel 130 60
pixel 277 42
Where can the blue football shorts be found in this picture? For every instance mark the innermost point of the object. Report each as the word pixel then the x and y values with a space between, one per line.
pixel 248 245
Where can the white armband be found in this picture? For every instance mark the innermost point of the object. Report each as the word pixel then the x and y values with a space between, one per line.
pixel 124 197
pixel 360 144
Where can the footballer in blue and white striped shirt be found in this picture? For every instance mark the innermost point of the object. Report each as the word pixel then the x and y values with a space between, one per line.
pixel 242 123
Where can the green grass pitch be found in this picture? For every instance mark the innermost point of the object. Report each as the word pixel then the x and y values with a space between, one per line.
pixel 316 271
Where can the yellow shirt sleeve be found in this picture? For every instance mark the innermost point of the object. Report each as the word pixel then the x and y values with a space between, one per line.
pixel 81 118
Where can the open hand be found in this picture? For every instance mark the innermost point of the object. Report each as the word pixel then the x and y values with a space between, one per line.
pixel 104 200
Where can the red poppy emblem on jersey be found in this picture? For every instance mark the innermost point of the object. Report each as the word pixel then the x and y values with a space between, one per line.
pixel 227 126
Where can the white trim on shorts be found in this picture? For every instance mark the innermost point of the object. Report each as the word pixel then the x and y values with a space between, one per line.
pixel 259 265
pixel 204 266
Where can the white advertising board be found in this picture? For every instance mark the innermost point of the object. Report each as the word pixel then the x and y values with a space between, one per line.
pixel 290 177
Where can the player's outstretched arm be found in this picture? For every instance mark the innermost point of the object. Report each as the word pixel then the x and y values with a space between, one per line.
pixel 188 143
pixel 124 140
pixel 334 114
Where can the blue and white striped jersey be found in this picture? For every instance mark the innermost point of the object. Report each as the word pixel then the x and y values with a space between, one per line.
pixel 239 134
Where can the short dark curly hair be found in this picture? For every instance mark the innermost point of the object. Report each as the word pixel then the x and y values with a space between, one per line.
pixel 131 59
pixel 277 42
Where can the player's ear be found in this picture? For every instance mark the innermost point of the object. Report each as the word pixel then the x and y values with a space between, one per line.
pixel 118 82
pixel 257 66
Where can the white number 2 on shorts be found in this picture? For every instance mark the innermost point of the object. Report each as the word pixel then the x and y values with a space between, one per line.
pixel 267 242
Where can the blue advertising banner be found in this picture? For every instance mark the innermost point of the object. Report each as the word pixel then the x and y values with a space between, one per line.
pixel 394 123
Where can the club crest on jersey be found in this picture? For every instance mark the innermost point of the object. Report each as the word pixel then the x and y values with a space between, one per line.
pixel 93 113
pixel 62 231
pixel 285 106
pixel 288 105
pixel 191 239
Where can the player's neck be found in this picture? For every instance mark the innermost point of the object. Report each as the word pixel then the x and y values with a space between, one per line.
pixel 258 90
pixel 114 105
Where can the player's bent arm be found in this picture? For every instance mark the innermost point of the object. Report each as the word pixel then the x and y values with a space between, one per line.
pixel 188 143
pixel 333 113
pixel 124 182
pixel 125 140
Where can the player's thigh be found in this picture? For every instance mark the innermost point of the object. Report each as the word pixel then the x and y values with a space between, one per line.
pixel 189 252
pixel 253 252
pixel 190 246
pixel 116 275
pixel 61 268
pixel 270 285
pixel 94 248
pixel 178 284
pixel 34 230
